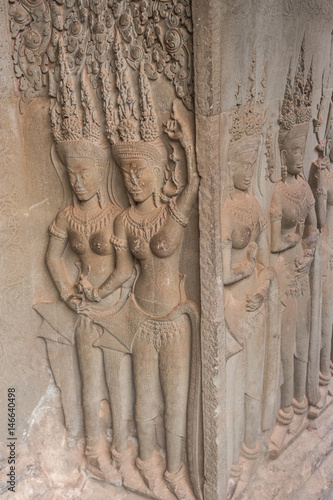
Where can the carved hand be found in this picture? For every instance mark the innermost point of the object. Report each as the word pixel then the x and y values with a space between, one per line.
pixel 252 250
pixel 296 237
pixel 176 128
pixel 84 308
pixel 90 292
pixel 303 265
pixel 254 300
pixel 73 301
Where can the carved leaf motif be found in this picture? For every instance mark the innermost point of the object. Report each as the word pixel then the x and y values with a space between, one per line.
pixel 158 32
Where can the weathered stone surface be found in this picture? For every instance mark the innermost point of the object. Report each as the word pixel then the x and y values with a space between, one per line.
pixel 163 156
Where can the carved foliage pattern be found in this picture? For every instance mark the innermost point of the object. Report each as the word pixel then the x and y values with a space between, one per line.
pixel 157 34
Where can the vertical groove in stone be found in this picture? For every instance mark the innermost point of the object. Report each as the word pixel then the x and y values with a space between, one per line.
pixel 207 82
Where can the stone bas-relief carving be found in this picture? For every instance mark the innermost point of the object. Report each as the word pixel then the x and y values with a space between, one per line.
pixel 87 225
pixel 320 180
pixel 122 338
pixel 159 325
pixel 251 294
pixel 293 241
pixel 137 352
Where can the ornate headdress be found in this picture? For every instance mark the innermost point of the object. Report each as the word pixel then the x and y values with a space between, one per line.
pixel 248 118
pixel 296 107
pixel 75 129
pixel 130 135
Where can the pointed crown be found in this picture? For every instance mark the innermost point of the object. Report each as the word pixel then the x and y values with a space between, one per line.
pixel 75 126
pixel 297 101
pixel 68 121
pixel 128 133
pixel 248 118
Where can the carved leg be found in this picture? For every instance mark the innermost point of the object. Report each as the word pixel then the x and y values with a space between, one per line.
pixel 325 353
pixel 148 394
pixel 288 339
pixel 147 439
pixel 235 374
pixel 252 420
pixel 93 393
pixel 118 371
pixel 65 369
pixel 300 379
pixel 286 413
pixel 175 358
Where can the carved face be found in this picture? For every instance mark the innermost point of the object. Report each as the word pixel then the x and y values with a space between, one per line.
pixel 243 168
pixel 293 155
pixel 140 180
pixel 84 177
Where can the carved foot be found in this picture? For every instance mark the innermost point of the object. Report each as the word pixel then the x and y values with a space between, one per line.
pixel 235 474
pixel 123 457
pixel 103 468
pixel 249 459
pixel 283 420
pixel 149 471
pixel 179 484
pixel 315 410
pixel 300 409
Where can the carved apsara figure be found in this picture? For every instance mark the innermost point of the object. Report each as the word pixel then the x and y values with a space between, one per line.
pixel 293 243
pixel 321 182
pixel 86 225
pixel 251 308
pixel 157 324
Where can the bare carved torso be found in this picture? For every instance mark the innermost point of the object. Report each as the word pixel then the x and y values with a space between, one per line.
pixel 155 243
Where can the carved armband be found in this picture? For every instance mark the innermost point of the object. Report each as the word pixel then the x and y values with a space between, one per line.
pixel 177 215
pixel 118 243
pixel 275 214
pixel 65 294
pixel 311 203
pixel 226 243
pixel 309 245
pixel 320 193
pixel 187 146
pixel 95 294
pixel 263 223
pixel 56 232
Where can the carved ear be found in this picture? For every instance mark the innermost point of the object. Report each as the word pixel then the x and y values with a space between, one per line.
pixel 63 177
pixel 283 157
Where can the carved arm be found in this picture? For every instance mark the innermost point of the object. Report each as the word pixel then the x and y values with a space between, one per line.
pixel 124 264
pixel 56 265
pixel 317 181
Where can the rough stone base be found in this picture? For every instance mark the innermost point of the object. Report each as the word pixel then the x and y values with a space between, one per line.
pixel 303 472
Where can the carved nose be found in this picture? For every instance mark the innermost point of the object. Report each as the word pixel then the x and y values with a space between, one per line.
pixel 134 181
pixel 77 182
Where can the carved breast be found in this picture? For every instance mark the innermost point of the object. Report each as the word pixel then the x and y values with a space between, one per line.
pixel 294 202
pixel 97 242
pixel 100 242
pixel 246 222
pixel 78 242
pixel 290 216
pixel 160 245
pixel 163 245
pixel 139 247
pixel 241 236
